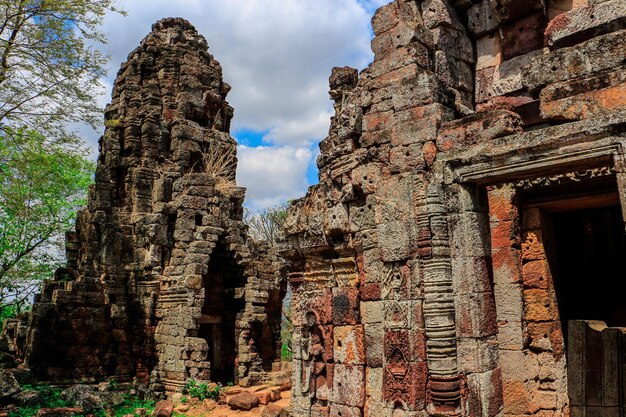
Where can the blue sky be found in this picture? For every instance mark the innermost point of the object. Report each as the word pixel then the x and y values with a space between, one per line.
pixel 277 56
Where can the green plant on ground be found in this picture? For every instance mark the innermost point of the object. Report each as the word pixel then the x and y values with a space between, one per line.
pixel 7 312
pixel 130 404
pixel 202 390
pixel 49 397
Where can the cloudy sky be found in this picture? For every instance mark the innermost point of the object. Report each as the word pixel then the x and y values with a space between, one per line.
pixel 277 56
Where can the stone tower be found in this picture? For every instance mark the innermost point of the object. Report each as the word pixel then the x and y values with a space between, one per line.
pixel 469 214
pixel 162 283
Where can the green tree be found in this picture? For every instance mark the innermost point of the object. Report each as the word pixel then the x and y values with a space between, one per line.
pixel 268 224
pixel 49 65
pixel 42 184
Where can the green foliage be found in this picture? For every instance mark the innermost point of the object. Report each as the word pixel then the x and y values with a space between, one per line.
pixel 7 312
pixel 42 184
pixel 50 397
pixel 286 329
pixel 268 224
pixel 286 355
pixel 202 390
pixel 131 403
pixel 50 68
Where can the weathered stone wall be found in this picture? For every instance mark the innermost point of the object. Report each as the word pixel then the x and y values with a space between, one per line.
pixel 162 282
pixel 421 284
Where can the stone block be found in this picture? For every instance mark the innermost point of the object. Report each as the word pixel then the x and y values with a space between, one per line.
pixel 556 7
pixel 319 301
pixel 337 410
pixel 488 51
pixel 482 18
pixel 485 393
pixel 472 274
pixel 345 306
pixel 348 385
pixel 588 104
pixel 509 302
pixel 370 292
pixel 507 77
pixel 479 128
pixel 396 58
pixel 385 18
pixel 581 24
pixel 348 345
pixel 415 128
pixel 454 43
pixel 374 336
pixel 476 315
pixel 402 34
pixel 395 240
pixel 595 55
pixel 408 158
pixel 454 72
pixel 477 355
pixel 540 305
pixel 532 245
pixel 536 274
pixel 377 121
pixel 419 88
pixel 546 337
pixel 410 388
pixel 440 12
pixel 336 219
pixel 372 312
pixel 514 9
pixel 483 89
pixel 504 234
pixel 467 235
pixel 361 216
pixel 399 314
pixel 523 36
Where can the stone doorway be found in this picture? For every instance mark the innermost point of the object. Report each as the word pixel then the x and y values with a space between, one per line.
pixel 590 276
pixel 223 305
pixel 577 232
pixel 573 250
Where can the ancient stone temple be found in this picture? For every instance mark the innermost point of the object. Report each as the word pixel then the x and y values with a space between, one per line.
pixel 162 283
pixel 464 251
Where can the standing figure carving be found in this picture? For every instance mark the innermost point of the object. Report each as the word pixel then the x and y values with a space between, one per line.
pixel 314 372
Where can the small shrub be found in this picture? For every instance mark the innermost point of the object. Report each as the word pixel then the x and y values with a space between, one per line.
pixel 49 397
pixel 202 390
pixel 7 312
pixel 130 404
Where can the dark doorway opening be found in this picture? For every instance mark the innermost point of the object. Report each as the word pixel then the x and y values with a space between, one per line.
pixel 591 274
pixel 585 244
pixel 223 306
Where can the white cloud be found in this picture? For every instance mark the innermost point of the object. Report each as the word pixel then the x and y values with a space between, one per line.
pixel 277 55
pixel 272 174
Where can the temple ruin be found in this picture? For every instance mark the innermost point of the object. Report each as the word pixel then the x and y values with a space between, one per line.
pixel 162 283
pixel 462 254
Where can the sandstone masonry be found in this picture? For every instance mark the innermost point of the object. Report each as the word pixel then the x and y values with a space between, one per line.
pixel 457 221
pixel 162 282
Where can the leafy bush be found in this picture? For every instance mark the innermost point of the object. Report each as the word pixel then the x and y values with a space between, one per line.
pixel 7 312
pixel 202 390
pixel 131 403
pixel 49 397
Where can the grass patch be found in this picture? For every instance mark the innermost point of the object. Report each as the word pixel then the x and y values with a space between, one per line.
pixel 202 390
pixel 50 397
